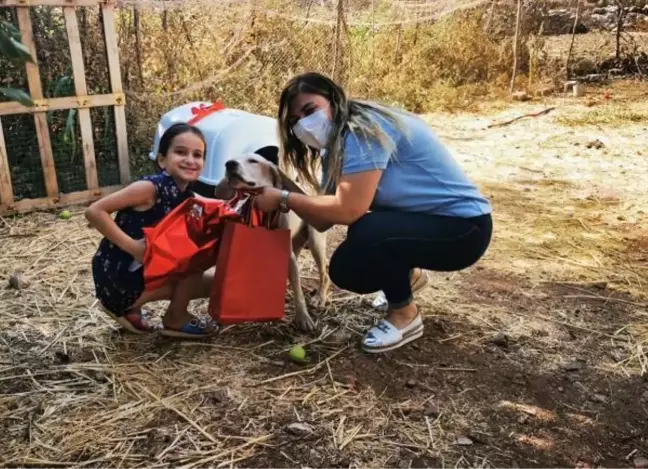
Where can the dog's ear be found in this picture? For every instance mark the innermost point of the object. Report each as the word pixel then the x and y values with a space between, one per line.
pixel 276 176
pixel 270 153
pixel 223 190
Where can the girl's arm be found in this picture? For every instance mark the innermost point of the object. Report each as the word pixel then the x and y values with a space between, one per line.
pixel 140 195
pixel 352 199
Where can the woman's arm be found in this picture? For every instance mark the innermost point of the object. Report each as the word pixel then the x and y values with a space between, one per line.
pixel 365 159
pixel 352 199
pixel 140 196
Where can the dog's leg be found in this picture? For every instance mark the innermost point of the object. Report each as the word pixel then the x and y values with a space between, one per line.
pixel 302 318
pixel 317 245
pixel 300 239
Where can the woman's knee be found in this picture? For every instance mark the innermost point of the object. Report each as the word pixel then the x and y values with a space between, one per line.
pixel 350 269
pixel 365 229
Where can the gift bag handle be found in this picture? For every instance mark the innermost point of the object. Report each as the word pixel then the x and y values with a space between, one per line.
pixel 244 206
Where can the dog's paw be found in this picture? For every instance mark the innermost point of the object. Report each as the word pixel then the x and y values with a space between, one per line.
pixel 319 301
pixel 304 322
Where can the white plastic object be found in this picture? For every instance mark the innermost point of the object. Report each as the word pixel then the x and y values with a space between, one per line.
pixel 578 90
pixel 380 301
pixel 134 265
pixel 228 134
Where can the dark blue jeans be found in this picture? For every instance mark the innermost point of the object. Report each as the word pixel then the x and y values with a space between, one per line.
pixel 383 246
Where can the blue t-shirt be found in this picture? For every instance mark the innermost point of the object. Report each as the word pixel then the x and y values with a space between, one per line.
pixel 419 173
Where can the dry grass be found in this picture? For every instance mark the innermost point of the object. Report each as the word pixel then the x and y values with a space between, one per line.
pixel 576 208
pixel 622 104
pixel 610 116
pixel 257 46
pixel 75 392
pixel 448 65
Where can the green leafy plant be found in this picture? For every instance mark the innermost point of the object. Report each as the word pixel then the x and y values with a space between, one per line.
pixel 64 86
pixel 12 48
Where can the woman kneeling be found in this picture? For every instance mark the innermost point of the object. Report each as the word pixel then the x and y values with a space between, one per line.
pixel 424 211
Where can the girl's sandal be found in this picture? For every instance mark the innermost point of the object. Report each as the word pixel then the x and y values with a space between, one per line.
pixel 136 323
pixel 193 329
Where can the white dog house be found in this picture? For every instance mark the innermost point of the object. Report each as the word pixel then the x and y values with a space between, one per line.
pixel 228 133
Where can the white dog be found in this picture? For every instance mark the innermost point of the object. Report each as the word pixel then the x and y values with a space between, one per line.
pixel 252 170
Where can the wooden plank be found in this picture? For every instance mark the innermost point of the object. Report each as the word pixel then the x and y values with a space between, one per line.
pixel 36 92
pixel 51 3
pixel 33 74
pixel 67 102
pixel 78 71
pixel 46 154
pixel 6 188
pixel 46 203
pixel 108 13
pixel 76 54
pixel 122 145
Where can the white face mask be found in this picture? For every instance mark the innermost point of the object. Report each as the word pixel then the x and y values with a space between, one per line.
pixel 313 130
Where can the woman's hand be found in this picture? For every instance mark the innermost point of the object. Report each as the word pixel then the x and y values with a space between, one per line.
pixel 352 199
pixel 267 199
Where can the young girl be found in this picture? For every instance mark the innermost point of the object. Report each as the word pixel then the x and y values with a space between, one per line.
pixel 119 281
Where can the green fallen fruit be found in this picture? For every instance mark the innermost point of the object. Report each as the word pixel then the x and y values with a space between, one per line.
pixel 65 215
pixel 297 353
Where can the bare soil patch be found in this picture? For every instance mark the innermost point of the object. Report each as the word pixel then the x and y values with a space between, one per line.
pixel 534 357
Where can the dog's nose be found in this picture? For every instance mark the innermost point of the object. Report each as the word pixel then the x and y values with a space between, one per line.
pixel 231 165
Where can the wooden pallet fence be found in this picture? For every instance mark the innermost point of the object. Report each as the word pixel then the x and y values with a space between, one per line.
pixel 82 102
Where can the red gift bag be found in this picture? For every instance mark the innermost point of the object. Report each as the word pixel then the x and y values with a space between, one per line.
pixel 185 241
pixel 251 271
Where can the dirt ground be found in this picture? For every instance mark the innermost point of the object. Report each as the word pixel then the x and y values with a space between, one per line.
pixel 596 46
pixel 535 357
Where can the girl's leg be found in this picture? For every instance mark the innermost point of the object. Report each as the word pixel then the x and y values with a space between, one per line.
pixel 199 287
pixel 194 287
pixel 123 300
pixel 180 294
pixel 382 248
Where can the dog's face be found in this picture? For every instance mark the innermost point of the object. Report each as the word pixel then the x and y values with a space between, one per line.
pixel 250 171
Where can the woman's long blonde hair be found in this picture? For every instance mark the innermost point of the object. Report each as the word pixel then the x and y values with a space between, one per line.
pixel 348 115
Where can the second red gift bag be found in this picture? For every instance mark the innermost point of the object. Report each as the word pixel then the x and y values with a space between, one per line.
pixel 251 270
pixel 185 242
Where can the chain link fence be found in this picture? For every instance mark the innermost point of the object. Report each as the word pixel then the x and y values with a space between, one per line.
pixel 412 53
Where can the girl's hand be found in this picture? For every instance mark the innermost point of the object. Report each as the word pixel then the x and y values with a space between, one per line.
pixel 138 250
pixel 139 195
pixel 267 199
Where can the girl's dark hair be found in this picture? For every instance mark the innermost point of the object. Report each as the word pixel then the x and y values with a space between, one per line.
pixel 175 130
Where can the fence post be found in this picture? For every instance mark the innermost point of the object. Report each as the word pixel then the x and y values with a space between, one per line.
pixel 516 44
pixel 36 92
pixel 6 188
pixel 108 14
pixel 337 51
pixel 78 71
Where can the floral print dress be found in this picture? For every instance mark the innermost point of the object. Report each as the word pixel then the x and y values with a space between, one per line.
pixel 117 284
